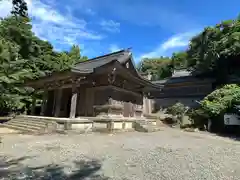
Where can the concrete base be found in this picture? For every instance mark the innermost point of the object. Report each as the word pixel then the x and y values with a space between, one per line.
pixel 101 123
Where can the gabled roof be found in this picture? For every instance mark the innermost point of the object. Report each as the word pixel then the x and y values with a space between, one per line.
pixel 180 76
pixel 119 58
pixel 88 66
pixel 173 80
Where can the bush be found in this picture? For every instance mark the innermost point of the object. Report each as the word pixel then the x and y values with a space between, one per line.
pixel 177 109
pixel 198 117
pixel 221 100
pixel 215 105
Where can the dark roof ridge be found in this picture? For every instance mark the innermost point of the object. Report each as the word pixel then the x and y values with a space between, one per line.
pixel 103 56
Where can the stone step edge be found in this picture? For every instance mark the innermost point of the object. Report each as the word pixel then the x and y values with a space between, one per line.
pixel 28 123
pixel 19 128
pixel 25 126
pixel 34 120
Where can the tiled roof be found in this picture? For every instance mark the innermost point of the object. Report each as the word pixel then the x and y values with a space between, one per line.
pixel 89 65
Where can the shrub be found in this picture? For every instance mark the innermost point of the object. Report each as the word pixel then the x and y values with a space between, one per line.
pixel 220 100
pixel 198 117
pixel 215 105
pixel 177 109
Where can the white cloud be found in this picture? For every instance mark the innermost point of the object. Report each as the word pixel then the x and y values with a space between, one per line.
pixel 173 43
pixel 110 25
pixel 114 48
pixel 146 13
pixel 50 24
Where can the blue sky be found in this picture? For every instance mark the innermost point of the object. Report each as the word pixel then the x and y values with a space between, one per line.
pixel 152 28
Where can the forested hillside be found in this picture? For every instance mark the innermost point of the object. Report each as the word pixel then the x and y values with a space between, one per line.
pixel 215 50
pixel 163 67
pixel 24 55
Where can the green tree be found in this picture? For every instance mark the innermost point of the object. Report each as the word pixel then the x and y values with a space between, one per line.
pixel 179 60
pixel 25 56
pixel 75 54
pixel 159 67
pixel 216 50
pixel 19 8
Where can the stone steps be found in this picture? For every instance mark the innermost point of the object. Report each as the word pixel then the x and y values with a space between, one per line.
pixel 21 129
pixel 36 120
pixel 30 125
pixel 29 122
pixel 26 125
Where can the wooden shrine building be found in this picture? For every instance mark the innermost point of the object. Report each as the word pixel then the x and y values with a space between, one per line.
pixel 106 85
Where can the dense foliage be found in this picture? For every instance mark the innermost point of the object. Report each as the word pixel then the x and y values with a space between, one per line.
pixel 179 60
pixel 163 67
pixel 159 67
pixel 177 109
pixel 19 8
pixel 221 100
pixel 215 48
pixel 214 51
pixel 23 55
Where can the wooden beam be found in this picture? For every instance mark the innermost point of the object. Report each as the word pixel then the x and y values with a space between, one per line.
pixel 59 84
pixel 52 85
pixel 117 89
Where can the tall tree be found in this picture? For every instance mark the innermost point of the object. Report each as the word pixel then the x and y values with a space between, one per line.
pixel 23 55
pixel 19 8
pixel 216 49
pixel 179 60
pixel 75 54
pixel 160 67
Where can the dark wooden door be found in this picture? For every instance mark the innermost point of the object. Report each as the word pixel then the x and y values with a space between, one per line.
pixel 50 104
pixel 89 102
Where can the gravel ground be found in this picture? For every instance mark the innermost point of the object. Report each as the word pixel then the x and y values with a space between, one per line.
pixel 167 154
pixel 7 130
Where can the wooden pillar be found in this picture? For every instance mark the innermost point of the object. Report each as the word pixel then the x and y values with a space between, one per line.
pixel 73 102
pixel 58 102
pixel 149 106
pixel 145 105
pixel 54 102
pixel 33 107
pixel 44 102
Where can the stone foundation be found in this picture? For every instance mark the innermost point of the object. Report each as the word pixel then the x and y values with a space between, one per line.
pixel 101 124
pixel 82 126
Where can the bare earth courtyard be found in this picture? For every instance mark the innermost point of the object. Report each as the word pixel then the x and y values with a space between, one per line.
pixel 167 154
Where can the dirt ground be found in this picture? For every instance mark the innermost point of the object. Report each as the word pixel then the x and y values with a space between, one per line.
pixel 7 131
pixel 167 154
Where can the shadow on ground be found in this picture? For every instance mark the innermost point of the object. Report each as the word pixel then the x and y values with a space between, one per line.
pixel 14 169
pixel 231 135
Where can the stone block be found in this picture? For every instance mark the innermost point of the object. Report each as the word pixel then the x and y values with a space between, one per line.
pixel 117 125
pixel 128 125
pixel 82 126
